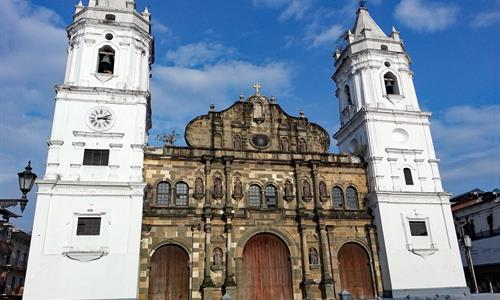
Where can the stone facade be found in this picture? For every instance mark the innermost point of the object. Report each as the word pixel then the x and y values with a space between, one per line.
pixel 221 213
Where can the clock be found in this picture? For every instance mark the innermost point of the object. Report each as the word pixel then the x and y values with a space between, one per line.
pixel 100 118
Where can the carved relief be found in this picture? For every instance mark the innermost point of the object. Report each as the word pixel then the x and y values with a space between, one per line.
pixel 217 260
pixel 302 145
pixel 313 258
pixel 323 191
pixel 258 112
pixel 237 142
pixel 284 144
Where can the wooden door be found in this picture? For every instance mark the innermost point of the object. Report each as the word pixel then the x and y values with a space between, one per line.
pixel 169 274
pixel 355 271
pixel 267 273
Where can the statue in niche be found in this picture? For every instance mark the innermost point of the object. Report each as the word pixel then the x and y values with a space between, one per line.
pixel 313 256
pixel 217 257
pixel 237 189
pixel 306 189
pixel 217 194
pixel 302 146
pixel 285 147
pixel 237 145
pixel 258 112
pixel 288 188
pixel 322 189
pixel 199 190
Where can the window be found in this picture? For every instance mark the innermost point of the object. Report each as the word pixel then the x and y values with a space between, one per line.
pixel 89 226
pixel 163 193
pixel 337 197
pixel 254 196
pixel 106 60
pixel 110 17
pixel 181 194
pixel 408 177
pixel 271 196
pixel 418 228
pixel 95 157
pixel 351 198
pixel 384 47
pixel 391 84
pixel 348 95
pixel 18 256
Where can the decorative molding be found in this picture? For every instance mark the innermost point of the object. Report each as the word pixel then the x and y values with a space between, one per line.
pixel 78 144
pixel 109 135
pixel 104 77
pixel 424 253
pixel 404 151
pixel 85 256
pixel 115 145
pixel 55 143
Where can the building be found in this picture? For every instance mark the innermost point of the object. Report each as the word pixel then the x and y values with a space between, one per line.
pixel 88 212
pixel 254 207
pixel 14 249
pixel 477 214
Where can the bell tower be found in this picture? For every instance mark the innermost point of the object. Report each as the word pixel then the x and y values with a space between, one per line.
pixel 381 122
pixel 88 215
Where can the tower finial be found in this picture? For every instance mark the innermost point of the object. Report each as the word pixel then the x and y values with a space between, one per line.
pixel 362 4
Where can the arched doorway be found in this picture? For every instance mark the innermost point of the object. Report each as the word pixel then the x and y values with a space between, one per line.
pixel 169 274
pixel 355 271
pixel 267 273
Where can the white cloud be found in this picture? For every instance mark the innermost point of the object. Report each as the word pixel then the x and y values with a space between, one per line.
pixel 32 58
pixel 468 144
pixel 327 37
pixel 486 19
pixel 426 16
pixel 198 54
pixel 292 9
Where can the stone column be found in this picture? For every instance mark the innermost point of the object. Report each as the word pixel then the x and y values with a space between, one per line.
pixel 208 170
pixel 207 279
pixel 298 184
pixel 307 282
pixel 229 283
pixel 327 278
pixel 333 260
pixel 375 268
pixel 227 173
pixel 314 173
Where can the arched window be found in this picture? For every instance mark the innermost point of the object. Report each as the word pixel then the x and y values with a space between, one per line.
pixel 391 84
pixel 181 194
pixel 254 196
pixel 337 197
pixel 408 177
pixel 271 196
pixel 347 92
pixel 351 198
pixel 163 193
pixel 106 60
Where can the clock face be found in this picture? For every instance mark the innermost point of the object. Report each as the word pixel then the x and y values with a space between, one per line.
pixel 100 118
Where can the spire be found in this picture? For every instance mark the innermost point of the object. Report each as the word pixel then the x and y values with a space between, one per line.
pixel 79 7
pixel 365 25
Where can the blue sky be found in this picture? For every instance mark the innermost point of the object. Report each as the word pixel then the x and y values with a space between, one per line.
pixel 211 51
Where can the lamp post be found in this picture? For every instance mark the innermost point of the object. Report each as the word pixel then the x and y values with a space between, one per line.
pixel 468 246
pixel 26 180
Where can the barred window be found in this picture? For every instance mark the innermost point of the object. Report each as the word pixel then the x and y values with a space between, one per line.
pixel 254 196
pixel 181 194
pixel 93 157
pixel 337 197
pixel 88 226
pixel 271 196
pixel 163 193
pixel 351 198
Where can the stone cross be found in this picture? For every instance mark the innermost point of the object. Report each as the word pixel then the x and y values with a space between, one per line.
pixel 257 89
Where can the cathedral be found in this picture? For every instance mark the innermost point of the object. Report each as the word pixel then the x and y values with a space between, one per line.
pixel 254 206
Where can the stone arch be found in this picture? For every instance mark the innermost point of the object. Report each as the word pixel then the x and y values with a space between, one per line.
pixel 281 234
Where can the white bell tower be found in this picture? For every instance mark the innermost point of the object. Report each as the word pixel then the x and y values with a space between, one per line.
pixel 86 232
pixel 381 121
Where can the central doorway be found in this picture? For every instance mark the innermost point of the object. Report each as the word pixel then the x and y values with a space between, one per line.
pixel 267 273
pixel 169 274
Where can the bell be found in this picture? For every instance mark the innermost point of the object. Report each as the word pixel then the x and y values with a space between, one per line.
pixel 388 83
pixel 105 65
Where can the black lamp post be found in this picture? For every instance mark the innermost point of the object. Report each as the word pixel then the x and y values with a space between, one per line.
pixel 26 181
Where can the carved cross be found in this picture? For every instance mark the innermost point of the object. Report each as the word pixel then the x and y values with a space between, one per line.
pixel 257 89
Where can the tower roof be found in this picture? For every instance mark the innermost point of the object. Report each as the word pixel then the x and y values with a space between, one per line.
pixel 365 22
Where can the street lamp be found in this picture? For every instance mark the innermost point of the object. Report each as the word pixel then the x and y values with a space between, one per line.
pixel 26 181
